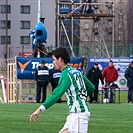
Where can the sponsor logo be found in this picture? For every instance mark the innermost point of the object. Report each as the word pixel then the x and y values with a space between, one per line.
pixel 23 66
pixel 122 82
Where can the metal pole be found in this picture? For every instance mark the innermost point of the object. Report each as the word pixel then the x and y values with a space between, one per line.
pixel 84 42
pixel 99 4
pixel 67 38
pixel 113 32
pixel 90 38
pixel 105 47
pixel 39 9
pixel 72 29
pixel 99 38
pixel 17 85
pixel 6 39
pixel 58 24
pixel 132 29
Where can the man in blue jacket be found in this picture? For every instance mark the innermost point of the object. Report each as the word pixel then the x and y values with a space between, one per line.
pixel 42 78
pixel 94 74
pixel 54 79
pixel 129 77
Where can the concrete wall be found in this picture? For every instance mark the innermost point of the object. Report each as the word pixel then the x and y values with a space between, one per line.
pixel 48 11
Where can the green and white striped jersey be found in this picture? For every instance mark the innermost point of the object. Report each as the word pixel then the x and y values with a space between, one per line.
pixel 76 87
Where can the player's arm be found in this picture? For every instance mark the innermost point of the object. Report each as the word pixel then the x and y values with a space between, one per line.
pixel 89 86
pixel 63 85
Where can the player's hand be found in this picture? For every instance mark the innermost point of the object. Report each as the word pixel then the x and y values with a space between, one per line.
pixel 33 117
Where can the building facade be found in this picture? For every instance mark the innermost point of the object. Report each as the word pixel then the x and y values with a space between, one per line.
pixel 106 33
pixel 68 31
pixel 130 25
pixel 21 17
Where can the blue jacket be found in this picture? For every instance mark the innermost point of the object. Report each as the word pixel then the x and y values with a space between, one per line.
pixel 42 74
pixel 54 76
pixel 129 76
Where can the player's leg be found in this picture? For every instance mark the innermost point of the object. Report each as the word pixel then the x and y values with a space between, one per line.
pixel 132 94
pixel 111 95
pixel 38 93
pixel 65 127
pixel 65 131
pixel 76 123
pixel 71 125
pixel 129 94
pixel 96 93
pixel 91 98
pixel 106 90
pixel 83 122
pixel 44 92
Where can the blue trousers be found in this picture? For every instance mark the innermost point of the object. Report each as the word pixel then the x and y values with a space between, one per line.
pixel 130 94
pixel 43 88
pixel 111 99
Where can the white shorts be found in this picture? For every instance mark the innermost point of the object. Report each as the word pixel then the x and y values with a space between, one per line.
pixel 77 122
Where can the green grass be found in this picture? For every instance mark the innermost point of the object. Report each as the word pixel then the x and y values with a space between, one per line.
pixel 123 96
pixel 105 118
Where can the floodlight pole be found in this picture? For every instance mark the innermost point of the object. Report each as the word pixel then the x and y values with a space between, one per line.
pixel 39 10
pixel 113 32
pixel 6 39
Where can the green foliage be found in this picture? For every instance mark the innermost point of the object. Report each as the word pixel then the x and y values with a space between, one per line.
pixel 105 118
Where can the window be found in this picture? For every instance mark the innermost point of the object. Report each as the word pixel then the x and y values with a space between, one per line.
pixel 3 40
pixel 109 24
pixel 97 50
pixel 3 8
pixel 86 38
pixel 109 37
pixel 96 24
pixel 24 24
pixel 110 10
pixel 120 12
pixel 64 5
pixel 3 24
pixel 86 25
pixel 96 37
pixel 25 9
pixel 120 24
pixel 24 40
pixel 75 6
pixel 64 41
pixel 120 37
pixel 76 27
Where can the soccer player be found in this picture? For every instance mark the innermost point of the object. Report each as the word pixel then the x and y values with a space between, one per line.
pixel 76 87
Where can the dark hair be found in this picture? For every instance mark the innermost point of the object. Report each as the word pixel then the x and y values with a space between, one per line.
pixel 63 53
pixel 130 63
pixel 42 62
pixel 111 61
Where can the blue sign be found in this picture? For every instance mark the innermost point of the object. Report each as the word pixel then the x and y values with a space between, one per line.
pixel 26 66
pixel 120 64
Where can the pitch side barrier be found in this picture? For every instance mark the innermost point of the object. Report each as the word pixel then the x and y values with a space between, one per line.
pixel 17 77
pixel 25 76
pixel 121 64
pixel 26 66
